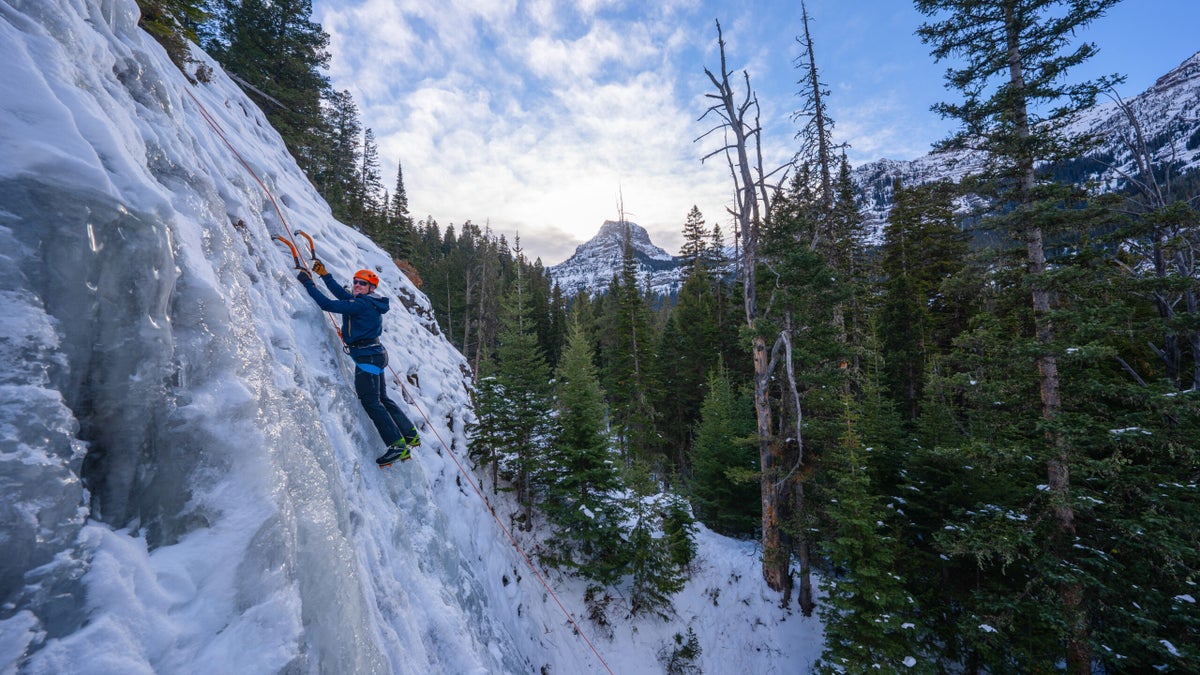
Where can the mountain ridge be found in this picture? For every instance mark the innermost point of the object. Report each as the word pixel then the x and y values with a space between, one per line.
pixel 1168 110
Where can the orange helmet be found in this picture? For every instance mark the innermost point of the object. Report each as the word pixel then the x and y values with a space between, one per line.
pixel 367 276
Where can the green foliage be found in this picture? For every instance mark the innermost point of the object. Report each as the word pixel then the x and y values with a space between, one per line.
pixel 579 473
pixel 973 33
pixel 922 248
pixel 870 619
pixel 515 426
pixel 173 24
pixel 679 532
pixel 695 239
pixel 724 485
pixel 684 654
pixel 280 55
pixel 630 365
pixel 690 344
pixel 653 573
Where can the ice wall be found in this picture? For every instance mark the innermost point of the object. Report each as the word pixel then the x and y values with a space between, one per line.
pixel 185 475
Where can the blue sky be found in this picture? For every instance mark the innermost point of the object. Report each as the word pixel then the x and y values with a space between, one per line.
pixel 541 118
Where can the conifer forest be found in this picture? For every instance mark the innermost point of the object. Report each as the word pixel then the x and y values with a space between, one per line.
pixel 984 422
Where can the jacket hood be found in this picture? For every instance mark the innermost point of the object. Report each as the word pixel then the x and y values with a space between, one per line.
pixel 382 303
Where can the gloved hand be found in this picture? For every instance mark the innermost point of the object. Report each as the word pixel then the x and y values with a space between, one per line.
pixel 318 268
pixel 304 277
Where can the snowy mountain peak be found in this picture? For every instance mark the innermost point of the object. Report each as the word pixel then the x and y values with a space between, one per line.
pixel 1180 75
pixel 612 233
pixel 594 262
pixel 1168 112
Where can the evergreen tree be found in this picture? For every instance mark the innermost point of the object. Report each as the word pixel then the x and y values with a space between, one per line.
pixel 580 475
pixel 399 239
pixel 368 200
pixel 1015 109
pixel 714 253
pixel 870 620
pixel 173 23
pixel 652 567
pixel 724 485
pixel 632 363
pixel 280 54
pixel 336 176
pixel 558 324
pixel 689 346
pixel 490 430
pixel 524 378
pixel 694 234
pixel 922 247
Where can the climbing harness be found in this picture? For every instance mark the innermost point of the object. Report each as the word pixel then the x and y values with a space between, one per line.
pixel 290 241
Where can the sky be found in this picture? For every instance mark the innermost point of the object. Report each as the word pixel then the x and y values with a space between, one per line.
pixel 543 119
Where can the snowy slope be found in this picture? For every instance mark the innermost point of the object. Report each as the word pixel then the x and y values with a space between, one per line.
pixel 186 478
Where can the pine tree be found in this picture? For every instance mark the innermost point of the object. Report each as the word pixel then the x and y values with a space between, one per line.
pixel 399 232
pixel 632 364
pixel 651 563
pixel 694 247
pixel 714 253
pixel 807 299
pixel 1015 109
pixel 368 202
pixel 278 50
pixel 336 177
pixel 724 485
pixel 689 346
pixel 490 430
pixel 922 247
pixel 173 23
pixel 579 472
pixel 524 378
pixel 870 620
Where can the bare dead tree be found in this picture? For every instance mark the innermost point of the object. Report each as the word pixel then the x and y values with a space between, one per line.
pixel 816 143
pixel 1170 248
pixel 738 113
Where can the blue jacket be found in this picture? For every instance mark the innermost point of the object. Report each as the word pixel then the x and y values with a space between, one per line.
pixel 362 315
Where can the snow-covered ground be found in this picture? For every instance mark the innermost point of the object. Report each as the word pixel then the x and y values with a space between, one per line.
pixel 187 481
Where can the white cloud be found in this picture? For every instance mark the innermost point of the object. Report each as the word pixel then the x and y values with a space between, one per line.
pixel 527 118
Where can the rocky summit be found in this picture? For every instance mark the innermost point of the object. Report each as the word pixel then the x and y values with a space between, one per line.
pixel 592 266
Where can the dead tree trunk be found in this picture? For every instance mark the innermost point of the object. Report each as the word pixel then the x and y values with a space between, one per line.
pixel 752 203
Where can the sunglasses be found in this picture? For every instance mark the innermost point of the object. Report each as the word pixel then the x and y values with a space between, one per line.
pixel 360 282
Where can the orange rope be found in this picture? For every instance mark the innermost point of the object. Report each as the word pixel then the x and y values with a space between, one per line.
pixel 429 423
pixel 511 538
pixel 216 127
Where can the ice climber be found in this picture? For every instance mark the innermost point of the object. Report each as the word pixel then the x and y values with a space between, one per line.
pixel 362 322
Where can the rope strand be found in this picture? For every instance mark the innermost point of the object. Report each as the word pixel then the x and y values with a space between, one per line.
pixel 429 423
pixel 287 230
pixel 496 517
